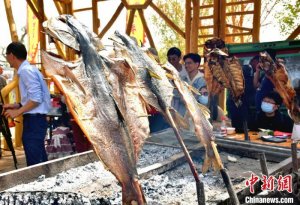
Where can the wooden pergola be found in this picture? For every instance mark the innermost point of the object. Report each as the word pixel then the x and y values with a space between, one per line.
pixel 204 19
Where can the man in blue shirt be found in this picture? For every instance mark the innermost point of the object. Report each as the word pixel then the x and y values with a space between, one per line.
pixel 35 104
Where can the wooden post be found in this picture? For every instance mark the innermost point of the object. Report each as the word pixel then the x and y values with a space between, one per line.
pixel 194 29
pixel 188 16
pixel 216 18
pixel 130 21
pixel 11 21
pixel 96 22
pixel 256 21
pixel 222 18
pixel 294 156
pixel 147 30
pixel 40 6
pixel 263 164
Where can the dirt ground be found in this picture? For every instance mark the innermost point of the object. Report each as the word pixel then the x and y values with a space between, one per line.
pixel 176 186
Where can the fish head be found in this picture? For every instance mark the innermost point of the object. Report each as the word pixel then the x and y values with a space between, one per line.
pixel 265 61
pixel 57 28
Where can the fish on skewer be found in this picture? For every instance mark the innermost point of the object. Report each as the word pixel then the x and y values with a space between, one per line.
pixel 97 114
pixel 277 73
pixel 222 71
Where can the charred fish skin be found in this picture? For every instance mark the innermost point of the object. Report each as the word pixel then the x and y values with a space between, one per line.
pixel 127 93
pixel 203 128
pixel 162 88
pixel 113 141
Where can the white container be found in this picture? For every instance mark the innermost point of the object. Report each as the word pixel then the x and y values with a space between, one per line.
pixel 230 130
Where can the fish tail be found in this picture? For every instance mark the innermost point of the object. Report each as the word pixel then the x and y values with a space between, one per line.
pixel 132 194
pixel 212 159
pixel 179 120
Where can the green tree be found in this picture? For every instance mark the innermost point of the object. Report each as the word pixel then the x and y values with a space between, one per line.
pixel 168 37
pixel 289 17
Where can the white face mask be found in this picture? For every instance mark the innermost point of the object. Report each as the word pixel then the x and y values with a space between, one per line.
pixel 203 99
pixel 267 107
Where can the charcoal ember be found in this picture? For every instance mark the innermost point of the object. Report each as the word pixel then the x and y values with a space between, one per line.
pixel 45 198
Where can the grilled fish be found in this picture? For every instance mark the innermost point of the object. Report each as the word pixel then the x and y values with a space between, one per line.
pixel 221 71
pixel 278 75
pixel 97 114
pixel 203 128
pixel 127 93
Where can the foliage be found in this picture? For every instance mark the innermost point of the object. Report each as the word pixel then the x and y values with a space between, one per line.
pixel 169 38
pixel 289 17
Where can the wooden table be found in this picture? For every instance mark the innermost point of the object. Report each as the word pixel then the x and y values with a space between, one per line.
pixel 254 137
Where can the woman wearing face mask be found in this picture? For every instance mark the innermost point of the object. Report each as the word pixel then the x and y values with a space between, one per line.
pixel 204 100
pixel 270 117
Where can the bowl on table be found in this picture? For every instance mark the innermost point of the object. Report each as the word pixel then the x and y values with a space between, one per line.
pixel 230 130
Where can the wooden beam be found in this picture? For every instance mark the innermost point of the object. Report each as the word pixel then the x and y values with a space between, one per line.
pixel 239 34
pixel 64 1
pixel 112 20
pixel 206 36
pixel 188 17
pixel 256 21
pixel 58 7
pixel 194 29
pixel 206 6
pixel 206 27
pixel 240 13
pixel 168 21
pixel 206 17
pixel 83 9
pixel 34 9
pixel 11 21
pixel 239 27
pixel 148 33
pixel 294 34
pixel 239 2
pixel 130 21
pixel 96 21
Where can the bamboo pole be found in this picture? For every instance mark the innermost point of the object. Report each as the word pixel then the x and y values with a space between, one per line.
pixel 256 21
pixel 130 21
pixel 188 16
pixel 147 30
pixel 11 21
pixel 96 22
pixel 167 20
pixel 112 20
pixel 194 30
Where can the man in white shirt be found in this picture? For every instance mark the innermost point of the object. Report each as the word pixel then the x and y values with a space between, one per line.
pixel 192 64
pixel 35 104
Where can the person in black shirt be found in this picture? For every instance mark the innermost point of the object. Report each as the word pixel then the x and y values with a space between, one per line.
pixel 270 117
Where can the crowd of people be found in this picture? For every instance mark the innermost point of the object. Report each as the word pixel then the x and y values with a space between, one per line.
pixel 261 105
